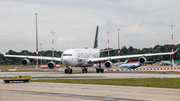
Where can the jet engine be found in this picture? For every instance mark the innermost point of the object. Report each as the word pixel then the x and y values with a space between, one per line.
pixel 51 65
pixel 108 64
pixel 25 62
pixel 142 60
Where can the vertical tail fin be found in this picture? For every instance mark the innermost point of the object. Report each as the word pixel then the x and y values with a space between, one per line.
pixel 96 39
pixel 126 61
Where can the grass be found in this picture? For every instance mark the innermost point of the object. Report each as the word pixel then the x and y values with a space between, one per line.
pixel 6 77
pixel 162 72
pixel 21 66
pixel 18 67
pixel 146 82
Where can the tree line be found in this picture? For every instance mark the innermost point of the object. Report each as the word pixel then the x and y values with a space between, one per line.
pixel 124 51
pixel 156 49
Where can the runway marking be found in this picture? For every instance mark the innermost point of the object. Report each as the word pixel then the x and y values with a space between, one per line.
pixel 102 98
pixel 143 69
pixel 137 69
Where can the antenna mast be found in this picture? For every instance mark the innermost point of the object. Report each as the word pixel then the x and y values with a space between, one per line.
pixel 172 26
pixel 36 42
pixel 118 44
pixel 108 41
pixel 52 44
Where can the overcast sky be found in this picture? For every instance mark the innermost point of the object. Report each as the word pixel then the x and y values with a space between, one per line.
pixel 142 23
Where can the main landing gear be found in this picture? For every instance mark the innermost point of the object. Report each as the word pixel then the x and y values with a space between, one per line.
pixel 68 71
pixel 99 70
pixel 84 69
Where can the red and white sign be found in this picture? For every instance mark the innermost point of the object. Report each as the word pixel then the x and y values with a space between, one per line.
pixel 143 69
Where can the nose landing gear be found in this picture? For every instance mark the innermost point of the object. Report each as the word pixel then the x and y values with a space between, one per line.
pixel 68 70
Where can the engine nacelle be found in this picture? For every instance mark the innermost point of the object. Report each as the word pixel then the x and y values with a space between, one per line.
pixel 108 64
pixel 142 60
pixel 25 62
pixel 51 65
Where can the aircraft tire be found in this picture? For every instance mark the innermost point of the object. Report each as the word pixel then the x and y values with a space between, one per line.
pixel 102 70
pixel 82 70
pixel 70 71
pixel 65 71
pixel 85 70
pixel 97 70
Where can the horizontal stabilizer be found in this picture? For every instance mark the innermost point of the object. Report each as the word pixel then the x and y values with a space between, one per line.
pixel 3 53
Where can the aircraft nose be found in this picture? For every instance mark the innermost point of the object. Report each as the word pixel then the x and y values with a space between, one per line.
pixel 65 61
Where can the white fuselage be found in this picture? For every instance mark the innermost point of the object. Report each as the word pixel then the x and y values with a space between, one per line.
pixel 130 65
pixel 79 57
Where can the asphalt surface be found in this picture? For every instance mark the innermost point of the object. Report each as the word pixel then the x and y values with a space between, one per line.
pixel 35 91
pixel 19 91
pixel 103 75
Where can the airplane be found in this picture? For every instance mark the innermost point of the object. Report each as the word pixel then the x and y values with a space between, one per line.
pixel 130 65
pixel 133 65
pixel 120 63
pixel 84 58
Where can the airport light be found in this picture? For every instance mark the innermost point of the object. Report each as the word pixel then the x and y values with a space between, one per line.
pixel 52 44
pixel 108 41
pixel 36 42
pixel 172 26
pixel 118 44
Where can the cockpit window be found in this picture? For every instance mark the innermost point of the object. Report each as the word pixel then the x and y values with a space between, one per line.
pixel 67 54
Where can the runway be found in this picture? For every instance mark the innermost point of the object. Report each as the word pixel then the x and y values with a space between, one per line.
pixel 92 74
pixel 83 92
pixel 80 92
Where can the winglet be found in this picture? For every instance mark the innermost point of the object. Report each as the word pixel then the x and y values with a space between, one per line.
pixel 176 50
pixel 3 53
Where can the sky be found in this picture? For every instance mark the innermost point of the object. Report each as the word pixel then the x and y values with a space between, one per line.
pixel 142 23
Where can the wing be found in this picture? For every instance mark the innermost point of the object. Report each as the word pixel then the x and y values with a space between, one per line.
pixel 33 57
pixel 127 56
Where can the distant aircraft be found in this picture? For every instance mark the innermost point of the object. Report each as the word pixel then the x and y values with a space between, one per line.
pixel 134 65
pixel 83 58
pixel 130 65
pixel 120 63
